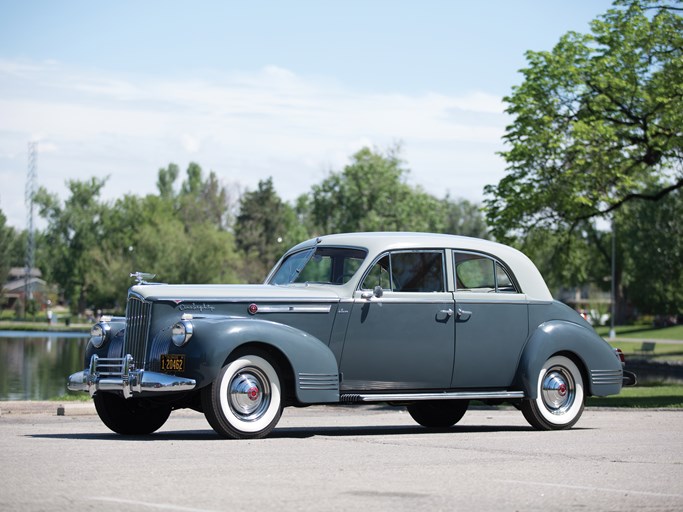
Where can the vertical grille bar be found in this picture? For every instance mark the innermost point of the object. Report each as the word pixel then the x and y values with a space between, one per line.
pixel 137 328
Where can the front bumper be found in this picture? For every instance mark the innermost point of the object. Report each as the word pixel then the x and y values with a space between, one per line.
pixel 119 374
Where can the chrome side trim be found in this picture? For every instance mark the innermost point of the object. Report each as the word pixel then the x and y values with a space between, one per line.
pixel 318 381
pixel 410 397
pixel 606 377
pixel 294 309
pixel 119 374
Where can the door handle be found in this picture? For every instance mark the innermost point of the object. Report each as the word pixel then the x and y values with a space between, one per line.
pixel 464 315
pixel 444 315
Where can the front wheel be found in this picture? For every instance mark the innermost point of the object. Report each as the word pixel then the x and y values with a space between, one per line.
pixel 245 400
pixel 132 416
pixel 438 413
pixel 559 396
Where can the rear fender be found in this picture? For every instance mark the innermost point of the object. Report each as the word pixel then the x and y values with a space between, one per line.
pixel 601 369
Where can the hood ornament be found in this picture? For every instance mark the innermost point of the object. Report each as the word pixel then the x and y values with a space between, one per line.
pixel 142 277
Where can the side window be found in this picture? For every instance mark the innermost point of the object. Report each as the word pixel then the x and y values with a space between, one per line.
pixel 479 273
pixel 474 272
pixel 503 281
pixel 417 272
pixel 408 272
pixel 378 276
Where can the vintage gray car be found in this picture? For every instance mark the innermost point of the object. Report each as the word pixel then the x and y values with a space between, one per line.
pixel 424 321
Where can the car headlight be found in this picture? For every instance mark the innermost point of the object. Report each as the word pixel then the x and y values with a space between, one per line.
pixel 182 332
pixel 99 334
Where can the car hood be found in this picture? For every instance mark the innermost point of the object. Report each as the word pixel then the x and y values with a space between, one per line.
pixel 231 293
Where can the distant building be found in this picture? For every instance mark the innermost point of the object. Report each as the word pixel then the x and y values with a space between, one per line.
pixel 14 290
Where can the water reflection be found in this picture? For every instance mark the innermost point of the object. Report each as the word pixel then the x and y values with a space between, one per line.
pixel 34 366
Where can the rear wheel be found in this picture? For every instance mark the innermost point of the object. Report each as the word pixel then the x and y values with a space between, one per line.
pixel 438 413
pixel 245 400
pixel 132 417
pixel 560 396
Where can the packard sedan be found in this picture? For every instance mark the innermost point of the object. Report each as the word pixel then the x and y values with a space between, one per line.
pixel 424 321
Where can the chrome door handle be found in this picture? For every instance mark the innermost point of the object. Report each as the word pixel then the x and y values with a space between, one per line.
pixel 464 315
pixel 448 312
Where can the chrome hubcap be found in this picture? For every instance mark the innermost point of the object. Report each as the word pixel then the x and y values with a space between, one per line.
pixel 558 390
pixel 249 394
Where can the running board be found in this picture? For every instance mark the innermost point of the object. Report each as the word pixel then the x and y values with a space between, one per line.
pixel 414 397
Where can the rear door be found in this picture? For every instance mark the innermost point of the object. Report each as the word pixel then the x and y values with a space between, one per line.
pixel 491 322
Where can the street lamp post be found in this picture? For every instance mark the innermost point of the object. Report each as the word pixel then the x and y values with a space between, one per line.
pixel 613 298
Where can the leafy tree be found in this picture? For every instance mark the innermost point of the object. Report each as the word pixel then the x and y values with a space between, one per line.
pixel 7 237
pixel 370 194
pixel 653 254
pixel 265 227
pixel 461 217
pixel 598 122
pixel 74 230
pixel 165 180
pixel 203 200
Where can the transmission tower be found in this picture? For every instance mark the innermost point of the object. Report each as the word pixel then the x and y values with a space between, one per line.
pixel 29 195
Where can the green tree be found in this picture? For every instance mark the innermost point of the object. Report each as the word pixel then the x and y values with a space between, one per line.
pixel 265 227
pixel 597 122
pixel 165 179
pixel 74 230
pixel 653 254
pixel 7 238
pixel 371 194
pixel 203 200
pixel 462 217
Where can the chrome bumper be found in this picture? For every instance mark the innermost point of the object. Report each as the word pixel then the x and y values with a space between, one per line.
pixel 629 379
pixel 119 374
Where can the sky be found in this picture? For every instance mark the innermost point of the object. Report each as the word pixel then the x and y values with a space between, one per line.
pixel 252 90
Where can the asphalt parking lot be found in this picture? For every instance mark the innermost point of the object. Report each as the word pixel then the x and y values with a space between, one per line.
pixel 343 458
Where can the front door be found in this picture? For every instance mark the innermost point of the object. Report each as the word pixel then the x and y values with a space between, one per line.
pixel 403 339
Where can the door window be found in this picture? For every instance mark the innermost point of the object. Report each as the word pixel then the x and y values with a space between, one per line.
pixel 417 271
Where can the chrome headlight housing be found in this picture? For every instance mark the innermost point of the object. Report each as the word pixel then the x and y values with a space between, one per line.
pixel 99 334
pixel 182 332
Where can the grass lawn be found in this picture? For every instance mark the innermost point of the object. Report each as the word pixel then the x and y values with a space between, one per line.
pixel 644 332
pixel 663 396
pixel 662 351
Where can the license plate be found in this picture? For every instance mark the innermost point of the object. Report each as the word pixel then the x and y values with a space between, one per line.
pixel 172 362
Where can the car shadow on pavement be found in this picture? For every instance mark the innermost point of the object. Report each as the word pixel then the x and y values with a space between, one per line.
pixel 293 433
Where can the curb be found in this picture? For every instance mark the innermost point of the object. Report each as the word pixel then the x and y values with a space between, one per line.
pixel 16 408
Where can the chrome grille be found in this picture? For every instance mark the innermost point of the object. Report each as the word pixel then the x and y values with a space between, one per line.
pixel 137 329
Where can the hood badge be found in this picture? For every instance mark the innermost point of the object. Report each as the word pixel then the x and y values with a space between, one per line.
pixel 195 307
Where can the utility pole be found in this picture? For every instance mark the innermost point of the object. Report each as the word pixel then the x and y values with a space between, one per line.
pixel 29 194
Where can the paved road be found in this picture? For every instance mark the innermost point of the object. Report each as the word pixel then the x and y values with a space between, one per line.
pixel 326 458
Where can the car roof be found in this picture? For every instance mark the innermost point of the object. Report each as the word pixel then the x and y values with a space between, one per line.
pixel 523 268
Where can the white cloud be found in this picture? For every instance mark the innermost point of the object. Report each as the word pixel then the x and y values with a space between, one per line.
pixel 244 126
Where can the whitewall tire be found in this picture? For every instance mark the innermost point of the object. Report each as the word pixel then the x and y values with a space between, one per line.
pixel 560 396
pixel 245 400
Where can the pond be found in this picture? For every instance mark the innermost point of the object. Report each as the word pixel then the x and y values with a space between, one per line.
pixel 35 365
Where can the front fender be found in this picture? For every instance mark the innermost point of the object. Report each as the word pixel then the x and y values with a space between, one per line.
pixel 314 367
pixel 602 371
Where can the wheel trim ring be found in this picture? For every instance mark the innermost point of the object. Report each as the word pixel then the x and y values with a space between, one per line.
pixel 558 390
pixel 249 394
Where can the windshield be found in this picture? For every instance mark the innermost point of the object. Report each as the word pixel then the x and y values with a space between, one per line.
pixel 327 265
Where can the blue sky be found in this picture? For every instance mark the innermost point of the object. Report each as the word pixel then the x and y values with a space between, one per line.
pixel 257 89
